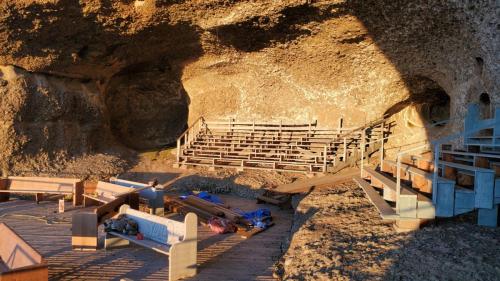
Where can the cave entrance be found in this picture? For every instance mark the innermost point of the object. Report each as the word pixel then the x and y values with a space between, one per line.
pixel 430 103
pixel 485 106
pixel 148 109
pixel 436 110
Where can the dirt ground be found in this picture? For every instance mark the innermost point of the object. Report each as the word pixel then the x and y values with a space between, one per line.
pixel 338 235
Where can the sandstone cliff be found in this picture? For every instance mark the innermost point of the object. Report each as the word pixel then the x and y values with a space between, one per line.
pixel 89 76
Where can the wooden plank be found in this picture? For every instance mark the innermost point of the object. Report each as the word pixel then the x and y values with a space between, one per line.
pixel 464 167
pixel 19 260
pixel 464 199
pixel 4 197
pixel 488 217
pixel 34 191
pixel 386 211
pixel 425 207
pixel 150 244
pixel 84 231
pixel 44 187
pixel 203 206
pixel 445 199
pixel 484 188
pixel 320 182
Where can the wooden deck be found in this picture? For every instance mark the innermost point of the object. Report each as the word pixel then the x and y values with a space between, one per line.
pixel 220 257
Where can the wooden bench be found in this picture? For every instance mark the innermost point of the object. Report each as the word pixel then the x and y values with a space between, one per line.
pixel 18 260
pixel 105 192
pixel 176 239
pixel 110 197
pixel 40 186
pixel 153 195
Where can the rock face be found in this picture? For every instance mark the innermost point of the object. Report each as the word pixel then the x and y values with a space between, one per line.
pixel 97 74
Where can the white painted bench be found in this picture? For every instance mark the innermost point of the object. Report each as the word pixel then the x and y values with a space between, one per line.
pixel 176 239
pixel 40 186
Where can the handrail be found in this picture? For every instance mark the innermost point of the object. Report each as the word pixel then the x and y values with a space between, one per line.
pixel 398 171
pixel 485 124
pixel 187 134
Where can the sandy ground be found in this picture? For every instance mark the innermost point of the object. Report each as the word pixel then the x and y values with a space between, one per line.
pixel 338 235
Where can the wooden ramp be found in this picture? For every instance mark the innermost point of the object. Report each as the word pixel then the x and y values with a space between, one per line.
pixel 306 185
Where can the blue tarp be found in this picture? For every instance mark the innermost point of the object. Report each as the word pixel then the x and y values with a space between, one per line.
pixel 259 218
pixel 205 196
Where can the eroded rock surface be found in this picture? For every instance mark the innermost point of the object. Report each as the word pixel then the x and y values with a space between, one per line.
pixel 152 67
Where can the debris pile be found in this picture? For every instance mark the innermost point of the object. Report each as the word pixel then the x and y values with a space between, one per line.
pixel 218 216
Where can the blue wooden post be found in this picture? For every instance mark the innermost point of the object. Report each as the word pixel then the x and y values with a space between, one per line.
pixel 488 217
pixel 496 127
pixel 471 118
pixel 497 191
pixel 445 199
pixel 484 189
pixel 464 201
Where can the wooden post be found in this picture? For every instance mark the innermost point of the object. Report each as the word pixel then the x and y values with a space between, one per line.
pixel 382 128
pixel 340 125
pixel 398 181
pixel 61 205
pixel 345 150
pixel 178 150
pixel 324 163
pixel 435 174
pixel 363 143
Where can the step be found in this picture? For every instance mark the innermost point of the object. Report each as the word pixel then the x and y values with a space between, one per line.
pixel 464 200
pixel 419 178
pixel 388 185
pixel 385 210
pixel 484 183
pixel 425 207
pixel 410 169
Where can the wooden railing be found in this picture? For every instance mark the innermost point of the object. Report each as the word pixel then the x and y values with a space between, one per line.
pixel 479 126
pixel 189 134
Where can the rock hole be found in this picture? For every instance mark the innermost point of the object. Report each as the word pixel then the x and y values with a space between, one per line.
pixel 485 106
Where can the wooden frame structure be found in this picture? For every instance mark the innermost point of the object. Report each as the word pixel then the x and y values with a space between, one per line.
pixel 40 186
pixel 152 194
pixel 279 146
pixel 176 239
pixel 110 198
pixel 444 182
pixel 18 260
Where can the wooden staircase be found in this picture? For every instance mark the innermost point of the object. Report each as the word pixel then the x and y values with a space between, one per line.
pixel 445 182
pixel 274 146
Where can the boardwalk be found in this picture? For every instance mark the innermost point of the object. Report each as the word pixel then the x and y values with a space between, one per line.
pixel 220 257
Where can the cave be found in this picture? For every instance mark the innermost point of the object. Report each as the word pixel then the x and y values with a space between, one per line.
pixel 431 101
pixel 485 106
pixel 148 109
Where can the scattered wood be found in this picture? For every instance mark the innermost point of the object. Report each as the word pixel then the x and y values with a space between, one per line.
pixel 281 200
pixel 206 210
